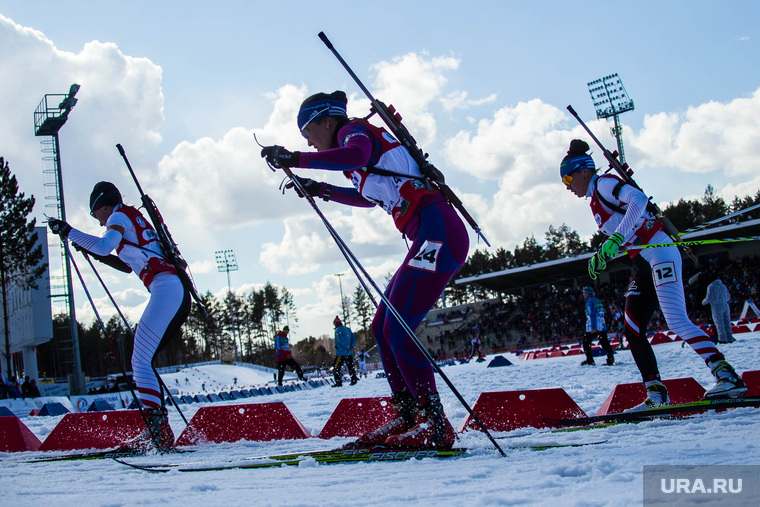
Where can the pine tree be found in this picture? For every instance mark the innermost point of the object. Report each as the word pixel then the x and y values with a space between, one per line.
pixel 20 255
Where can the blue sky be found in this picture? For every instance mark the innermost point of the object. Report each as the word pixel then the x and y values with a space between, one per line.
pixel 483 87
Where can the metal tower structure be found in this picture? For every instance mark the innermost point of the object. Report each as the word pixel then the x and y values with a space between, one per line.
pixel 225 261
pixel 610 99
pixel 51 114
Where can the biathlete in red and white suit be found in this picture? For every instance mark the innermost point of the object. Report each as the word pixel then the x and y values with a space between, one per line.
pixel 384 174
pixel 139 251
pixel 620 211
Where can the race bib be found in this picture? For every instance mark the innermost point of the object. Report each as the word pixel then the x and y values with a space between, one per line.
pixel 664 272
pixel 427 257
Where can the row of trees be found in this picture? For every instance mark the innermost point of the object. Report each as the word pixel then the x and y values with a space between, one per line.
pixel 20 254
pixel 566 242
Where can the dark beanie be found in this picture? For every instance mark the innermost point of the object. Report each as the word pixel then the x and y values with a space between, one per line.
pixel 104 193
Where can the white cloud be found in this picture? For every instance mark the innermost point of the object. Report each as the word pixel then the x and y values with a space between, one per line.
pixel 518 143
pixel 711 137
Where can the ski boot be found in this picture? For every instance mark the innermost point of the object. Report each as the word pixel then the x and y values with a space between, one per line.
pixel 588 362
pixel 657 396
pixel 159 436
pixel 610 359
pixel 433 430
pixel 728 384
pixel 406 411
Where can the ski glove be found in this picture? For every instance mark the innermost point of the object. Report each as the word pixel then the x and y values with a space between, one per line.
pixel 313 188
pixel 596 264
pixel 608 250
pixel 610 247
pixel 59 227
pixel 279 157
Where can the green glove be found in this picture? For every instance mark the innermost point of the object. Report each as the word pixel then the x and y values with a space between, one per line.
pixel 596 264
pixel 610 247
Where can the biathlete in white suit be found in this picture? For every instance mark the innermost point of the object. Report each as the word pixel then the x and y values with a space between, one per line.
pixel 620 211
pixel 139 251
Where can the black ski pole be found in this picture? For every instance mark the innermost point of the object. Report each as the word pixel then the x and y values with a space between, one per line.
pixel 108 338
pixel 126 324
pixel 353 261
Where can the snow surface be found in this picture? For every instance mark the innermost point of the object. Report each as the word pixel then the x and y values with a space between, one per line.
pixel 605 474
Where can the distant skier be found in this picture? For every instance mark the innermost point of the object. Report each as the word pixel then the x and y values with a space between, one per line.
pixel 345 341
pixel 475 343
pixel 617 324
pixel 283 355
pixel 139 251
pixel 361 360
pixel 620 211
pixel 596 328
pixel 384 174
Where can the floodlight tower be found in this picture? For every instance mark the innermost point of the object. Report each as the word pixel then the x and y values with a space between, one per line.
pixel 51 114
pixel 342 301
pixel 225 261
pixel 610 99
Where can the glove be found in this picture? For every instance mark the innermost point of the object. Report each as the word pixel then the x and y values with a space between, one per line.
pixel 59 227
pixel 311 187
pixel 596 264
pixel 279 157
pixel 610 247
pixel 607 251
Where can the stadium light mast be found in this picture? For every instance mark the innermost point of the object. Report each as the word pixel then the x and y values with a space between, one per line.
pixel 225 261
pixel 342 301
pixel 610 99
pixel 51 114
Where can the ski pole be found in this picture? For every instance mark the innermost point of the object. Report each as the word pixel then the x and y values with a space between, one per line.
pixel 352 260
pixel 126 324
pixel 108 338
pixel 695 242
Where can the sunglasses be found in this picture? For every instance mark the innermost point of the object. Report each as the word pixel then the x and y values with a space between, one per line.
pixel 567 179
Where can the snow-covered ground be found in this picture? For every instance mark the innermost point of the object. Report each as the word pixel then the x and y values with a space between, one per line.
pixel 605 474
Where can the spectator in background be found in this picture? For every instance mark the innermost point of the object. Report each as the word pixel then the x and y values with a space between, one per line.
pixel 718 298
pixel 284 356
pixel 345 341
pixel 596 328
pixel 361 358
pixel 617 324
pixel 34 391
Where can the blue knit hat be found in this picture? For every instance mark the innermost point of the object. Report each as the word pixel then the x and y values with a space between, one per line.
pixel 588 290
pixel 576 159
pixel 322 105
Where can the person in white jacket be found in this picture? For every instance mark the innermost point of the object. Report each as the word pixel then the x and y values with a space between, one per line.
pixel 718 298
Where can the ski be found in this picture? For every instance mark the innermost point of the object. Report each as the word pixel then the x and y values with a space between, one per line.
pixel 545 447
pixel 666 411
pixel 104 454
pixel 370 455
